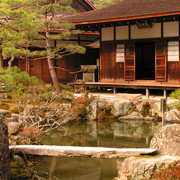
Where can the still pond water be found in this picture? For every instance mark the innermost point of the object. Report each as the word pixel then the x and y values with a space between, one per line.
pixel 131 134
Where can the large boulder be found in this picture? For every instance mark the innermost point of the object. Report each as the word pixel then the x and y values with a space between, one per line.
pixel 173 115
pixel 167 140
pixel 143 168
pixel 133 116
pixel 121 108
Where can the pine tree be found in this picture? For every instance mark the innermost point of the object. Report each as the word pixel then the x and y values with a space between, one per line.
pixel 23 22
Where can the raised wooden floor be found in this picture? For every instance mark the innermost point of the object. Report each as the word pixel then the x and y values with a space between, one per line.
pixel 138 84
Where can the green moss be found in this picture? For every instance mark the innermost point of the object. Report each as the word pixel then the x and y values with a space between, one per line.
pixel 147 156
pixel 16 110
pixel 19 171
pixel 4 106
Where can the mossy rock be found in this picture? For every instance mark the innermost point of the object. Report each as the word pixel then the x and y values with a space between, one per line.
pixel 18 171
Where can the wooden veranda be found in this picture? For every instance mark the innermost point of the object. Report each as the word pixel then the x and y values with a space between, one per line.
pixel 138 84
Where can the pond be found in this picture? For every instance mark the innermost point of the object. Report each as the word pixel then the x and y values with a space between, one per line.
pixel 125 134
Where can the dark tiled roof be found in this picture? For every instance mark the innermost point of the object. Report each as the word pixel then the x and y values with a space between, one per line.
pixel 127 8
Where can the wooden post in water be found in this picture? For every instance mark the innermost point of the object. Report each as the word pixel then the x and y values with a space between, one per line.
pixel 163 110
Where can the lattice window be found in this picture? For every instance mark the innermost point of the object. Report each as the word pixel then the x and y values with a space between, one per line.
pixel 120 53
pixel 173 51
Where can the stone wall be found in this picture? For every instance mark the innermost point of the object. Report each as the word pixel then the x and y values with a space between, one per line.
pixel 5 172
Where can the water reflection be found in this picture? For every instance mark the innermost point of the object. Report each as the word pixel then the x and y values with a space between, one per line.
pixel 127 134
pixel 115 134
pixel 75 168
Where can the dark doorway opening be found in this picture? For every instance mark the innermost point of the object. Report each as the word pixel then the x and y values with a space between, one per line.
pixel 145 61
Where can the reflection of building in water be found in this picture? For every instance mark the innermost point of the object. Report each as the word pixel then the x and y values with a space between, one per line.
pixel 68 168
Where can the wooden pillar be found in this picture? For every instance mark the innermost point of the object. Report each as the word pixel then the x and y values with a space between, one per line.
pixel 1 59
pixel 114 90
pixel 147 92
pixel 165 93
pixel 163 110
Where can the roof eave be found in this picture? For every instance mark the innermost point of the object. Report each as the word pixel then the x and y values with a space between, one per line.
pixel 127 18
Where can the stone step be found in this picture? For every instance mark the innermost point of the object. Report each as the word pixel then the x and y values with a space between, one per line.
pixel 69 151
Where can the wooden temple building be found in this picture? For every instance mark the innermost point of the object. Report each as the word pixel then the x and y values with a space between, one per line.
pixel 139 43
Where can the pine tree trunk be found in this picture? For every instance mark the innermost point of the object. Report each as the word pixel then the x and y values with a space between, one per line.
pixel 50 62
pixel 10 62
pixel 53 74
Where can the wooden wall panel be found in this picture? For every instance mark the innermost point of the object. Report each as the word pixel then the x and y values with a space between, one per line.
pixel 119 71
pixel 46 77
pixel 61 74
pixel 73 65
pixel 173 71
pixel 36 69
pixel 107 64
pixel 22 65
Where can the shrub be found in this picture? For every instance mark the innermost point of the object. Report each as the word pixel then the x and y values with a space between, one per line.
pixel 30 135
pixel 13 81
pixel 66 88
pixel 176 94
pixel 80 105
pixel 104 112
pixel 172 172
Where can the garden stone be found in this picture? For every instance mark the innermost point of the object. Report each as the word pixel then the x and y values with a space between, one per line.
pixel 121 108
pixel 173 114
pixel 134 115
pixel 92 111
pixel 19 160
pixel 156 110
pixel 13 127
pixel 167 140
pixel 4 112
pixel 172 104
pixel 143 168
pixel 139 106
pixel 148 118
pixel 11 120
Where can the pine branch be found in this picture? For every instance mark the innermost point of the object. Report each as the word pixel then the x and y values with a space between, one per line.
pixel 70 72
